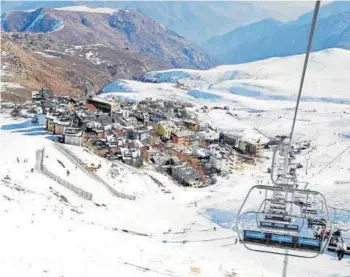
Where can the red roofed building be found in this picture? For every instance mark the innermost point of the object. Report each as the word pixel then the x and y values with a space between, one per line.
pixel 90 107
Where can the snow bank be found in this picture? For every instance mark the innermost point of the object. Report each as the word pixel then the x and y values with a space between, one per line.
pixel 116 86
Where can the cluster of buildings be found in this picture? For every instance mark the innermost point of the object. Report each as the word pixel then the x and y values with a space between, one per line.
pixel 159 133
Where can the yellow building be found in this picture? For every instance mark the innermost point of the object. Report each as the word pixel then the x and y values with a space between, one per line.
pixel 165 128
pixel 192 125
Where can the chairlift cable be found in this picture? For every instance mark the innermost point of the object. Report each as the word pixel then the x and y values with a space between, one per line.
pixel 328 164
pixel 308 49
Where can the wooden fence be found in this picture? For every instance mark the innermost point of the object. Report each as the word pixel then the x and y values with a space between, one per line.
pixel 39 164
pixel 74 159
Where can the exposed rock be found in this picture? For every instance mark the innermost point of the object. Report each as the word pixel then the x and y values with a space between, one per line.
pixel 122 29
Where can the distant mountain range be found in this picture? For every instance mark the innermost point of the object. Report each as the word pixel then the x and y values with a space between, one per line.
pixel 197 21
pixel 128 29
pixel 270 38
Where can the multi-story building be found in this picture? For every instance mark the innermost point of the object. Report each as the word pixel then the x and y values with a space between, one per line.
pixel 182 138
pixel 185 175
pixel 222 162
pixel 73 136
pixel 165 128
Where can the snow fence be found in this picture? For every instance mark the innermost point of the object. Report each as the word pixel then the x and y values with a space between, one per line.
pixel 39 165
pixel 74 159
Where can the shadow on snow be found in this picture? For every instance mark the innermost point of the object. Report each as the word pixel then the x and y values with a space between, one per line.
pixel 28 128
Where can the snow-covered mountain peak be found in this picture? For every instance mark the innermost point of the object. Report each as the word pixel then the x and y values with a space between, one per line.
pixel 87 9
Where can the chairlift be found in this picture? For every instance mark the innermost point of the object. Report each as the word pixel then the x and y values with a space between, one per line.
pixel 277 219
pixel 279 226
pixel 283 176
pixel 267 234
pixel 278 207
pixel 317 222
pixel 309 211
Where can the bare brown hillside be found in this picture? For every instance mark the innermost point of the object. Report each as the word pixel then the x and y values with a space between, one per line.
pixel 124 29
pixel 34 61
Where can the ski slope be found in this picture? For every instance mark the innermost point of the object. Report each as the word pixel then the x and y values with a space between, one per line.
pixel 43 235
pixel 123 178
pixel 276 78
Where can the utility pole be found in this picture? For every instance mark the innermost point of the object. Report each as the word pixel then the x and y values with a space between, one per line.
pixel 307 163
pixel 285 263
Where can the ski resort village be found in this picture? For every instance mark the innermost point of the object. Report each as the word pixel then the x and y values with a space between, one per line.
pixel 175 139
pixel 160 134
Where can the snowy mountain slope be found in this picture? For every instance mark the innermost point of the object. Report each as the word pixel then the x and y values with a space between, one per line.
pixel 50 237
pixel 139 90
pixel 275 78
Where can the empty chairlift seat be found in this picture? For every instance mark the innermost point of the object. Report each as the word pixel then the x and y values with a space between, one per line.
pixel 254 236
pixel 278 218
pixel 282 241
pixel 277 201
pixel 309 211
pixel 278 212
pixel 318 222
pixel 278 207
pixel 279 226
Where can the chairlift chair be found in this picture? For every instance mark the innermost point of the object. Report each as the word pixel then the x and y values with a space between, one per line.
pixel 284 177
pixel 267 235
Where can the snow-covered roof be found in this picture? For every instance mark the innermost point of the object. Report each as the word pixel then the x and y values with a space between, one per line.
pixel 168 124
pixel 183 133
pixel 70 131
pixel 209 135
pixel 139 143
pixel 61 122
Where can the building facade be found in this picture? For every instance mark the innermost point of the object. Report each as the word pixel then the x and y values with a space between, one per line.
pixel 73 136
